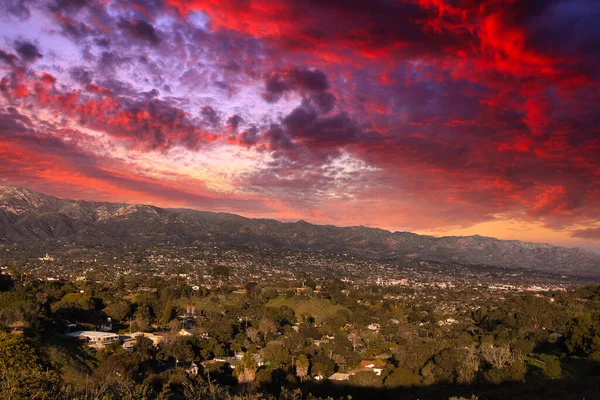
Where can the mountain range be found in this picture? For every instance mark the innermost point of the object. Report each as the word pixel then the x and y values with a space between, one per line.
pixel 26 215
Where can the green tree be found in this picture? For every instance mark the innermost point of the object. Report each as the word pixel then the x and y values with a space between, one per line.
pixel 119 310
pixel 24 374
pixel 74 306
pixel 401 376
pixel 365 379
pixel 276 353
pixel 551 366
pixel 181 349
pixel 167 312
pixel 447 364
pixel 322 365
pixel 583 336
pixel 144 349
pixel 143 316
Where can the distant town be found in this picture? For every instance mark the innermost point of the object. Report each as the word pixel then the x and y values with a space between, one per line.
pixel 196 266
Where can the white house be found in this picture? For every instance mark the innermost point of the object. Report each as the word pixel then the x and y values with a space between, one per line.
pixel 94 338
pixel 374 327
pixel 339 376
pixel 131 339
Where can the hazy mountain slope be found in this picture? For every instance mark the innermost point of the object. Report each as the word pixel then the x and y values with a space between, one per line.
pixel 26 215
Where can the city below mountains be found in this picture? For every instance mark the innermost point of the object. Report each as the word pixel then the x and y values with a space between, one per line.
pixel 27 216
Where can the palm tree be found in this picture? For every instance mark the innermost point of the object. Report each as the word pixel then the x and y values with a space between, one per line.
pixel 302 365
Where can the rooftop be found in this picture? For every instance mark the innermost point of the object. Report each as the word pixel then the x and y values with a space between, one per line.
pixel 92 334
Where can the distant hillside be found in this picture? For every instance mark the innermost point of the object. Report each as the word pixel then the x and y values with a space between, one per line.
pixel 26 215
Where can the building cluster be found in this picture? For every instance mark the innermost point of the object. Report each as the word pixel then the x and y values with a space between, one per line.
pixel 196 266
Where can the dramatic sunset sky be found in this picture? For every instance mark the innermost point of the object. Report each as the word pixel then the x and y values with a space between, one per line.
pixel 445 117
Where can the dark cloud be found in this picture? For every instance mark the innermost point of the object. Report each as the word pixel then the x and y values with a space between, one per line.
pixel 278 138
pixel 142 8
pixel 312 80
pixel 304 129
pixel 307 126
pixel 151 93
pixel 140 29
pixel 13 122
pixel 336 130
pixel 16 8
pixel 81 75
pixel 565 25
pixel 301 80
pixel 80 20
pixel 121 88
pixel 232 66
pixel 323 101
pixel 569 29
pixel 8 58
pixel 275 86
pixel 210 116
pixel 300 118
pixel 250 136
pixel 28 51
pixel 69 5
pixel 223 85
pixel 110 60
pixel 234 122
pixel 231 90
pixel 102 42
pixel 77 30
pixel 590 233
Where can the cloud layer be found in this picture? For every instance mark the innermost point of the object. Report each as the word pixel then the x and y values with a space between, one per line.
pixel 426 115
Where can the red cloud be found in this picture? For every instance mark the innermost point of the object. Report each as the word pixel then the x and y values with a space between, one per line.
pixel 55 163
pixel 491 34
pixel 144 123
